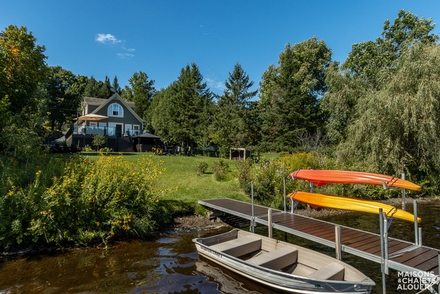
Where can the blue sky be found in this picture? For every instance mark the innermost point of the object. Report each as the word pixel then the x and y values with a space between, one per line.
pixel 119 38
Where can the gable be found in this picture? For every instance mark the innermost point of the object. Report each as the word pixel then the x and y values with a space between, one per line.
pixel 101 106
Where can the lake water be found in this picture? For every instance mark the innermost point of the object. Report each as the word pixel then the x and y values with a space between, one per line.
pixel 169 263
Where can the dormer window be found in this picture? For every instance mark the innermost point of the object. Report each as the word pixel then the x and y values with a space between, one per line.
pixel 115 110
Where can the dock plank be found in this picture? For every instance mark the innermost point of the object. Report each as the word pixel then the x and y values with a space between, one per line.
pixel 354 241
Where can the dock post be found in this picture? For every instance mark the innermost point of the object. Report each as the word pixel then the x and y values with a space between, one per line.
pixel 269 223
pixel 382 250
pixel 416 225
pixel 403 194
pixel 253 211
pixel 338 244
pixel 284 190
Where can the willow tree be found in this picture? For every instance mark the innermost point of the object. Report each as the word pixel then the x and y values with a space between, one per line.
pixel 398 127
pixel 361 74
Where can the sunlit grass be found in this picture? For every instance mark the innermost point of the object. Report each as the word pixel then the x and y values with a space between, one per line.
pixel 188 188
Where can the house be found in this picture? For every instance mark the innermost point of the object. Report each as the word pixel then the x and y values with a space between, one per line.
pixel 114 117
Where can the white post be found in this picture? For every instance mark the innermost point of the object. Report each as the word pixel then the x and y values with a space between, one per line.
pixel 338 244
pixel 253 210
pixel 382 251
pixel 416 225
pixel 269 223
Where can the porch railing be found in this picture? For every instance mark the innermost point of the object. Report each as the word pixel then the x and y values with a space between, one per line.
pixel 106 131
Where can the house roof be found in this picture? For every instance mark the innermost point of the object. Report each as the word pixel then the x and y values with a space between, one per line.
pixel 98 101
pixel 103 102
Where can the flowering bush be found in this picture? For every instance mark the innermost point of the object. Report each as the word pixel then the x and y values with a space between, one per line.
pixel 94 201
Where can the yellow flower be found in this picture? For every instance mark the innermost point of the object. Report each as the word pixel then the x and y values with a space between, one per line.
pixel 38 172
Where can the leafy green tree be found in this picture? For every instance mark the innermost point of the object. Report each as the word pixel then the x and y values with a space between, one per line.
pixel 93 88
pixel 160 113
pixel 182 111
pixel 141 93
pixel 402 119
pixel 23 68
pixel 21 117
pixel 233 116
pixel 63 99
pixel 98 140
pixel 361 72
pixel 290 95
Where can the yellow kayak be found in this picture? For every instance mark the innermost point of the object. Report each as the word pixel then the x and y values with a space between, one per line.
pixel 317 201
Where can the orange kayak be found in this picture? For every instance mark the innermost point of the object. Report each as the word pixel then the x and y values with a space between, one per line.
pixel 317 201
pixel 324 177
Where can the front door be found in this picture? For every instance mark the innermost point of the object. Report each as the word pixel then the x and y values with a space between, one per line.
pixel 118 130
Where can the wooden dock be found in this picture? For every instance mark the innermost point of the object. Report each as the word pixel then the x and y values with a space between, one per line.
pixel 403 256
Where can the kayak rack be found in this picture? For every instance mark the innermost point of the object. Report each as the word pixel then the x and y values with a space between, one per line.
pixel 406 257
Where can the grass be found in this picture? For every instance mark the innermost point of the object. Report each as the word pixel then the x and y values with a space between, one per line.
pixel 188 187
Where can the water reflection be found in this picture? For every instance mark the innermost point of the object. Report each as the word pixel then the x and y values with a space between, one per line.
pixel 170 263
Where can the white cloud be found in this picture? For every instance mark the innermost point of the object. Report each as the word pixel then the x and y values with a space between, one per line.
pixel 129 49
pixel 110 39
pixel 107 39
pixel 125 55
pixel 212 83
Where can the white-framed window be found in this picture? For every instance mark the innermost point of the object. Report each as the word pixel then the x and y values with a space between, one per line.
pixel 136 129
pixel 111 130
pixel 128 129
pixel 115 109
pixel 102 126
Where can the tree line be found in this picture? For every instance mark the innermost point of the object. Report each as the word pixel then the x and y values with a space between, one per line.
pixel 377 111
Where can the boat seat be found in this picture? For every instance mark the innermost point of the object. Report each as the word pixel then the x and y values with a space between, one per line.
pixel 332 271
pixel 239 247
pixel 276 259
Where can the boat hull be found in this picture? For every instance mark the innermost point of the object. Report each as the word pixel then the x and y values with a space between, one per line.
pixel 284 281
pixel 324 177
pixel 352 204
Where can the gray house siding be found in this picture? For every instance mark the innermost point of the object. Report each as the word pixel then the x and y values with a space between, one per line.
pixel 117 128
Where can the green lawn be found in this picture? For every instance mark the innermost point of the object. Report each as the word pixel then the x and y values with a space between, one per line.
pixel 188 187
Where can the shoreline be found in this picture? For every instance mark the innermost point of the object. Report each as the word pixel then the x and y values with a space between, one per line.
pixel 196 222
pixel 189 223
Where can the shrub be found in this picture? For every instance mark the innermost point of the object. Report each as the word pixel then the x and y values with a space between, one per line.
pixel 268 175
pixel 201 168
pixel 220 169
pixel 98 140
pixel 244 168
pixel 94 201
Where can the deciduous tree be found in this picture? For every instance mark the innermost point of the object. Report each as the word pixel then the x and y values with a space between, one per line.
pixel 63 98
pixel 23 68
pixel 141 92
pixel 291 94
